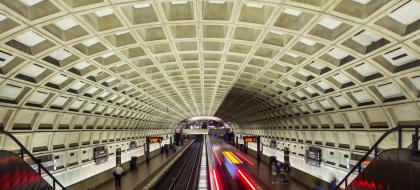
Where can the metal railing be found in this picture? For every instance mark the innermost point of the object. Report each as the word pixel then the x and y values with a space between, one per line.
pixel 375 151
pixel 24 151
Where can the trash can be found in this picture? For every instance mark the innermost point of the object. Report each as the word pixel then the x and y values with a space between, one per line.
pixel 133 162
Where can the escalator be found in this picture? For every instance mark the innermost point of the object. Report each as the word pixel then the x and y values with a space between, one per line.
pixel 16 174
pixel 392 169
pixel 395 168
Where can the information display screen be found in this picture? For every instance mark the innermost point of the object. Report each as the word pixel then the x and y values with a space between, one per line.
pixel 250 139
pixel 155 139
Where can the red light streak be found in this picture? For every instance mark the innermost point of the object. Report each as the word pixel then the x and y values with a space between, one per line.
pixel 217 158
pixel 246 179
pixel 243 157
pixel 216 181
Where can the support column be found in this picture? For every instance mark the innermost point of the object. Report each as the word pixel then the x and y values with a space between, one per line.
pixel 147 148
pixel 258 148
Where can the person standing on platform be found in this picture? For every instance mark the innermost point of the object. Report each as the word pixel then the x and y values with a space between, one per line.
pixel 332 184
pixel 117 175
pixel 273 171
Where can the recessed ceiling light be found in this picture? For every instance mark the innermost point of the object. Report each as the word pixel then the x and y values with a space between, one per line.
pixel 254 5
pixel 104 12
pixel 408 13
pixel 141 5
pixel 31 2
pixel 29 39
pixel 90 42
pixel 65 24
pixel 292 12
pixel 330 23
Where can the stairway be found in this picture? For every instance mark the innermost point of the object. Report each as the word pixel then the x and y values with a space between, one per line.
pixel 16 174
pixel 396 168
pixel 392 169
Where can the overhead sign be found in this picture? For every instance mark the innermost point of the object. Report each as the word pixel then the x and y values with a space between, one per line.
pixel 250 139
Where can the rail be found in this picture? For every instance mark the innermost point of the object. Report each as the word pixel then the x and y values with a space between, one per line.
pixel 375 151
pixel 24 151
pixel 184 166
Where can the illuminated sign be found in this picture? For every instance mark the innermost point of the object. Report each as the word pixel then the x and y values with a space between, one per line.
pixel 155 139
pixel 250 139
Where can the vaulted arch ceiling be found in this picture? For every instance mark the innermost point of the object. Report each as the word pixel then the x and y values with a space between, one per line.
pixel 160 62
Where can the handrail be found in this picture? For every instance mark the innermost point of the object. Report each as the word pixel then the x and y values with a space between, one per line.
pixel 23 151
pixel 374 149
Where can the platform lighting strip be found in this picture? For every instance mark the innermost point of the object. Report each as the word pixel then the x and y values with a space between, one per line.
pixel 216 180
pixel 246 179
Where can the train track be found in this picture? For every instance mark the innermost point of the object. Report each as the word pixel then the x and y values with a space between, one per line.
pixel 184 174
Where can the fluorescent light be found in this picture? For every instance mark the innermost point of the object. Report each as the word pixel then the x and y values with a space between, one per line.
pixel 254 5
pixel 90 42
pixel 330 23
pixel 104 12
pixel 65 24
pixel 2 17
pixel 30 38
pixel 30 2
pixel 292 12
pixel 408 13
pixel 60 55
pixel 141 5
